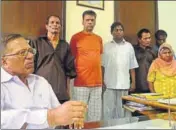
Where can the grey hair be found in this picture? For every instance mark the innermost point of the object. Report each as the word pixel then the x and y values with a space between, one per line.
pixel 6 40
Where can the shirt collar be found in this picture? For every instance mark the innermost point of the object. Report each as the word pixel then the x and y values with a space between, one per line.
pixel 87 33
pixel 46 38
pixel 147 48
pixel 123 41
pixel 5 76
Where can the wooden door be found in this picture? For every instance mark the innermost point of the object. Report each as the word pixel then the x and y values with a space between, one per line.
pixel 135 15
pixel 28 17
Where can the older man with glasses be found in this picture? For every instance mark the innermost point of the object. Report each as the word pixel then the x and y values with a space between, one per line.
pixel 27 100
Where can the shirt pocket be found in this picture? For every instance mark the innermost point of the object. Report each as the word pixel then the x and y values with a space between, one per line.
pixel 41 101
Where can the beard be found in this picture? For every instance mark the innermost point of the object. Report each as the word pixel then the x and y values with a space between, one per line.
pixel 54 31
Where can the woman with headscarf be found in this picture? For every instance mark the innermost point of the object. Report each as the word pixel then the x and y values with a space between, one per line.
pixel 162 72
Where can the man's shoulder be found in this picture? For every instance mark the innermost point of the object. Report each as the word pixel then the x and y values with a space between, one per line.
pixel 42 37
pixel 38 78
pixel 64 41
pixel 39 39
pixel 96 35
pixel 136 47
pixel 76 37
pixel 128 44
pixel 108 43
pixel 77 34
pixel 151 48
pixel 39 81
pixel 155 47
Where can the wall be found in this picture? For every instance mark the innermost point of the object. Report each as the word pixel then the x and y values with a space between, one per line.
pixel 167 20
pixel 74 19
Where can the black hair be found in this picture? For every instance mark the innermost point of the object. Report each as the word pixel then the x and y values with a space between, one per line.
pixel 160 33
pixel 89 12
pixel 115 24
pixel 47 19
pixel 140 32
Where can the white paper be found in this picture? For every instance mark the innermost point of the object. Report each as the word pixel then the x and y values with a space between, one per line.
pixel 166 101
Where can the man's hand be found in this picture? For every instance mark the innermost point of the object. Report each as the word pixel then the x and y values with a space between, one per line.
pixel 133 87
pixel 71 112
pixel 104 86
pixel 69 94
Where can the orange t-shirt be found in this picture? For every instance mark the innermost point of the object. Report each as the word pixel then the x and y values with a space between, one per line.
pixel 87 49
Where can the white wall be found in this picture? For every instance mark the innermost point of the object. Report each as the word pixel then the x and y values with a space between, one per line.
pixel 167 20
pixel 103 22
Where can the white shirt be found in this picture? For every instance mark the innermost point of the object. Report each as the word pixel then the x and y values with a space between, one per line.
pixel 20 105
pixel 118 59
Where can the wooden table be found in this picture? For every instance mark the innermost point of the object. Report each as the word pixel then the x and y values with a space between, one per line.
pixel 150 114
pixel 153 114
pixel 99 124
pixel 151 103
pixel 92 125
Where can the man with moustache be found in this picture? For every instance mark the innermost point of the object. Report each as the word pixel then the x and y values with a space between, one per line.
pixel 87 47
pixel 145 55
pixel 53 60
pixel 118 63
pixel 27 100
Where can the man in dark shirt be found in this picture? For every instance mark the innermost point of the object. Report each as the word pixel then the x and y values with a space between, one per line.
pixel 160 37
pixel 53 59
pixel 144 55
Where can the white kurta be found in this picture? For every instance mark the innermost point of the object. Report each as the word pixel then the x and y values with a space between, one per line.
pixel 118 59
pixel 20 105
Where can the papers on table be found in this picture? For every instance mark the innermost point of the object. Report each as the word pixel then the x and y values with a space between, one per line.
pixel 156 97
pixel 146 94
pixel 133 106
pixel 166 101
pixel 151 96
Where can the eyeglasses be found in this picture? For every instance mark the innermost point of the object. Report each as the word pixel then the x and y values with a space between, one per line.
pixel 23 52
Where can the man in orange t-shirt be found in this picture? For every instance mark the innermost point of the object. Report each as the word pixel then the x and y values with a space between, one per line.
pixel 87 49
